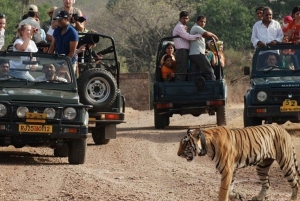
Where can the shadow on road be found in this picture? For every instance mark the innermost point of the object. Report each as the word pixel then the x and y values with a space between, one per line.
pixel 26 158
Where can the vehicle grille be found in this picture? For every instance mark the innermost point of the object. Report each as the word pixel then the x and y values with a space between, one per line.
pixel 277 97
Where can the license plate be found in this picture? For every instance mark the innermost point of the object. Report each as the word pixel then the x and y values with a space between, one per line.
pixel 289 106
pixel 29 128
pixel 30 115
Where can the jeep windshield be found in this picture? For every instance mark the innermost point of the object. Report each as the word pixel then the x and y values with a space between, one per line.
pixel 34 68
pixel 277 59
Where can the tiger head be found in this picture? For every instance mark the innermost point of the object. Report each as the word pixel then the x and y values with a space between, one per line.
pixel 191 146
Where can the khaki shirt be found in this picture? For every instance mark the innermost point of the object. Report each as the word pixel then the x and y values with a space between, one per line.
pixel 73 11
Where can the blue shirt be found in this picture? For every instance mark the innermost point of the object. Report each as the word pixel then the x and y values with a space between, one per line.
pixel 63 41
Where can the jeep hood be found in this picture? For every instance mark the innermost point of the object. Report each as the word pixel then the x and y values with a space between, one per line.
pixel 284 81
pixel 38 95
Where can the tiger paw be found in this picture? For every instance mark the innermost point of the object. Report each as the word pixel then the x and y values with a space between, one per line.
pixel 234 196
pixel 259 198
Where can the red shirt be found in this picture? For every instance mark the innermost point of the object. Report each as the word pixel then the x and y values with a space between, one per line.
pixel 295 31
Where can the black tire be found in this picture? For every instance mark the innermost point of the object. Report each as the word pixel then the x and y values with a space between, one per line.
pixel 98 135
pixel 61 151
pixel 251 121
pixel 77 151
pixel 98 88
pixel 168 121
pixel 221 116
pixel 160 121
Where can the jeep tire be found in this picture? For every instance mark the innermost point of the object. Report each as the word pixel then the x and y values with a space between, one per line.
pixel 251 121
pixel 221 116
pixel 77 151
pixel 97 87
pixel 98 135
pixel 61 151
pixel 160 121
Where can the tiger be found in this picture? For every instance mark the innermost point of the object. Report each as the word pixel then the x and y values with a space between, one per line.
pixel 231 149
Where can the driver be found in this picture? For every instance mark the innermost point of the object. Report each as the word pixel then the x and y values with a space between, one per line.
pixel 272 60
pixel 50 74
pixel 4 68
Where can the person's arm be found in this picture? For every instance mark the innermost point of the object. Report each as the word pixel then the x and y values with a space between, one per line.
pixel 254 37
pixel 22 46
pixel 73 45
pixel 79 26
pixel 208 34
pixel 52 46
pixel 213 60
pixel 184 34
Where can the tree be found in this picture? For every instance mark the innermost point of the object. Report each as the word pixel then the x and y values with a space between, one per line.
pixel 229 20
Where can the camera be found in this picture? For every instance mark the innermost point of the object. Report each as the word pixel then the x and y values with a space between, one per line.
pixel 77 18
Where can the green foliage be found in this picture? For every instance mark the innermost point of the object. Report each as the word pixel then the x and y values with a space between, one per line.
pixel 229 21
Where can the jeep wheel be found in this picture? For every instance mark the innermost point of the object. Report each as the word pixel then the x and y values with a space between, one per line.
pixel 251 121
pixel 98 135
pixel 221 116
pixel 77 150
pixel 61 151
pixel 98 88
pixel 167 121
pixel 160 121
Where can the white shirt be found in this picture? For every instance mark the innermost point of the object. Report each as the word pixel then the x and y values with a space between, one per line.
pixel 266 34
pixel 197 46
pixel 50 31
pixel 30 48
pixel 2 38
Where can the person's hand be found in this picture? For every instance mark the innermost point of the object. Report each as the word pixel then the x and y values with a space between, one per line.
pixel 261 44
pixel 273 42
pixel 34 30
pixel 81 49
pixel 32 67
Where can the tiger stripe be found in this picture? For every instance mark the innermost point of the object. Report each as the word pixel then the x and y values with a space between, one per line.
pixel 231 149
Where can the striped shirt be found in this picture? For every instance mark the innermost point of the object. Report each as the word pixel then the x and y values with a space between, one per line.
pixel 185 37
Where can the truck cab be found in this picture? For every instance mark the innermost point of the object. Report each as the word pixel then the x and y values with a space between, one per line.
pixel 274 92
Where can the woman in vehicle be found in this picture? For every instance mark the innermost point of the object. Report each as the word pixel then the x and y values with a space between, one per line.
pixel 169 50
pixel 24 44
pixel 168 68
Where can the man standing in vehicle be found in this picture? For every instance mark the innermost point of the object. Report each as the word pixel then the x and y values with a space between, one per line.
pixel 182 45
pixel 199 62
pixel 65 38
pixel 68 6
pixel 266 32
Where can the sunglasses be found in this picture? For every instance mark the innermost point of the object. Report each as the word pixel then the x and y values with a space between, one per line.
pixel 2 15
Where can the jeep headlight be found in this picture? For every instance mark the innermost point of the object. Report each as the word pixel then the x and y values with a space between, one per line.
pixel 70 113
pixel 21 111
pixel 3 110
pixel 262 96
pixel 50 113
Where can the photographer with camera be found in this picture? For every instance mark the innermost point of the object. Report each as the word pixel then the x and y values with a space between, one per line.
pixel 32 20
pixel 68 6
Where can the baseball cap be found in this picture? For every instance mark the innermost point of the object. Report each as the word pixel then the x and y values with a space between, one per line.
pixel 62 14
pixel 33 8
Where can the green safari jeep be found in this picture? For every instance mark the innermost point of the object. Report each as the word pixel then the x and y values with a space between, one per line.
pixel 274 92
pixel 45 112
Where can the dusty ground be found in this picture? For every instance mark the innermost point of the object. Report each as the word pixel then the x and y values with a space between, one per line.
pixel 141 164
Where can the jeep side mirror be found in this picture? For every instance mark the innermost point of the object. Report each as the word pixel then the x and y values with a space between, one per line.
pixel 246 70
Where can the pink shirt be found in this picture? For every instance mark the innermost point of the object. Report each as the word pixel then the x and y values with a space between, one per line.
pixel 185 37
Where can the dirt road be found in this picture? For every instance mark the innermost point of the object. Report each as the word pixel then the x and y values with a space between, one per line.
pixel 141 164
